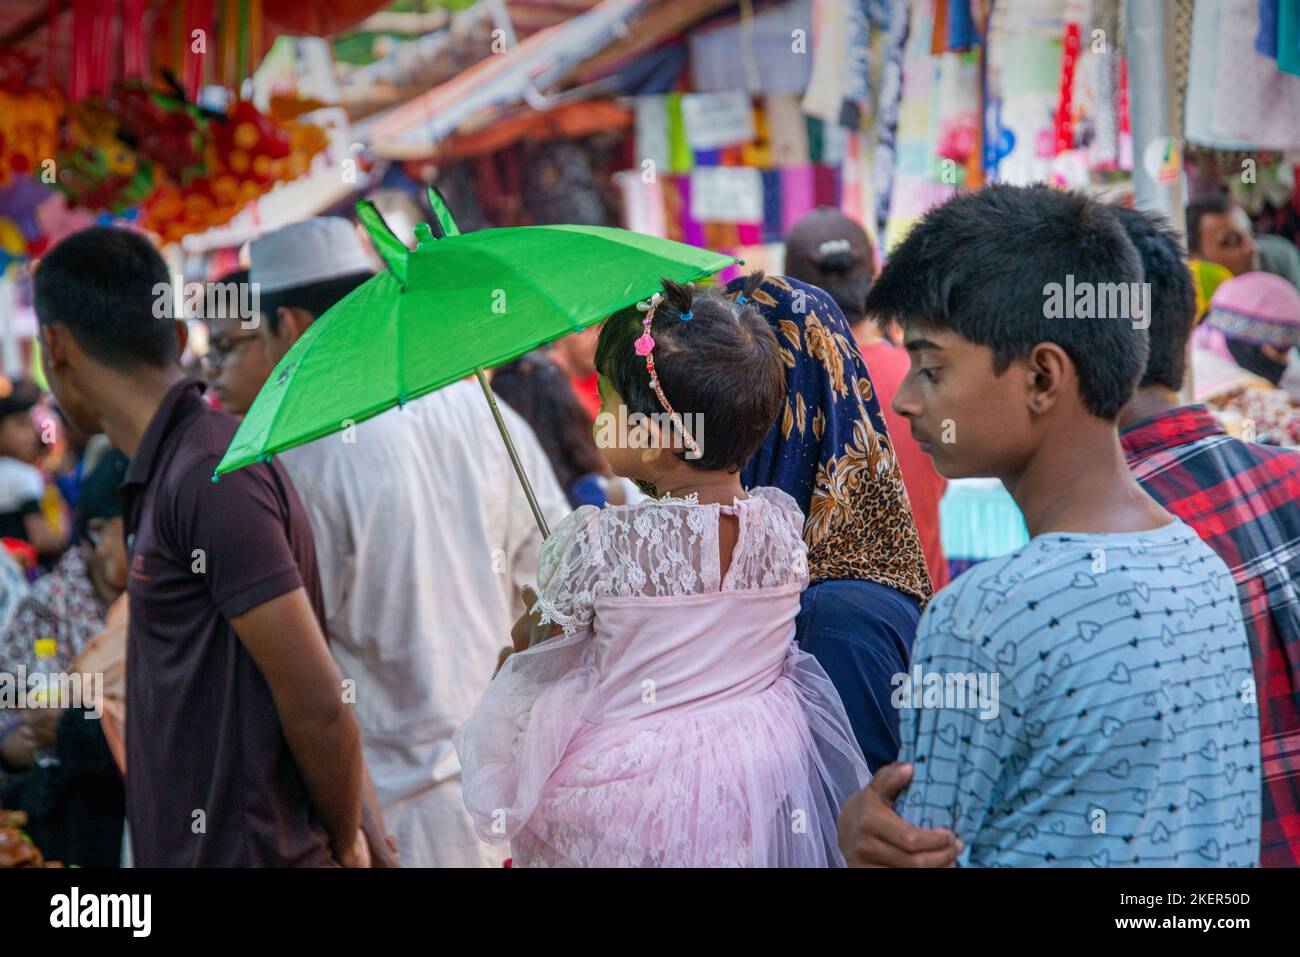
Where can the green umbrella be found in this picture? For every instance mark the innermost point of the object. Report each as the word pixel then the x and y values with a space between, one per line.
pixel 452 307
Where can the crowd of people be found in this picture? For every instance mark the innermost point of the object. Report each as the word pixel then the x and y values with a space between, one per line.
pixel 740 644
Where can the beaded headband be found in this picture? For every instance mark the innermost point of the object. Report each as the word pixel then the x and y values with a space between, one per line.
pixel 644 346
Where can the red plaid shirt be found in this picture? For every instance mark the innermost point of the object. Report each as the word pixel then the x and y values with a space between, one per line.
pixel 1243 499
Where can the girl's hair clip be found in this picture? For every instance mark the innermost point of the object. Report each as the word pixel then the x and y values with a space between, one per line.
pixel 645 347
pixel 648 304
pixel 686 316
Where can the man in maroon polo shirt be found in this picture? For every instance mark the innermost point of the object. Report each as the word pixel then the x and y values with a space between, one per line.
pixel 240 748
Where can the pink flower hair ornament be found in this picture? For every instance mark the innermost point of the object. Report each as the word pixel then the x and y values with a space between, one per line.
pixel 644 346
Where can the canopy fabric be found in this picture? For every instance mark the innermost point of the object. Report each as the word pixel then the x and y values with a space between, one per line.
pixel 571 121
pixel 415 129
pixel 449 307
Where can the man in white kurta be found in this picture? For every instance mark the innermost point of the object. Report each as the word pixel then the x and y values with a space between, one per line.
pixel 424 539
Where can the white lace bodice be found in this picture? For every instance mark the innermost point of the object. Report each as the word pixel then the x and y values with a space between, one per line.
pixel 664 548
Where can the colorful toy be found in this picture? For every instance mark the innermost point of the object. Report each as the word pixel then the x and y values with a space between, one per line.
pixel 97 169
pixel 29 131
pixel 163 127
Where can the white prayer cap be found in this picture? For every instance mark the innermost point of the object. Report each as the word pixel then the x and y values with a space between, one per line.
pixel 317 249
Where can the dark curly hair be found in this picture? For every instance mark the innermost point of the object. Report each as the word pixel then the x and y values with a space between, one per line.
pixel 722 365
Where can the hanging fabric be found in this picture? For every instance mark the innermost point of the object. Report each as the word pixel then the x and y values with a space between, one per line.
pixel 692 229
pixel 1266 38
pixel 1063 130
pixel 824 96
pixel 651 137
pixel 856 102
pixel 962 34
pixel 1288 36
pixel 1254 101
pixel 798 194
pixel 773 228
pixel 787 130
pixel 759 152
pixel 888 97
pixel 939 28
pixel 826 185
pixel 674 204
pixel 681 159
pixel 135 52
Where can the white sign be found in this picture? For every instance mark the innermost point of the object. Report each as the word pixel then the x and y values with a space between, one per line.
pixel 715 120
pixel 726 194
pixel 652 131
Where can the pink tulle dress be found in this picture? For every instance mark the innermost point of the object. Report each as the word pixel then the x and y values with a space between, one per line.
pixel 674 723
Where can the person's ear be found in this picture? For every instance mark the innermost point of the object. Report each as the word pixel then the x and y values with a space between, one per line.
pixel 1049 371
pixel 293 322
pixel 182 336
pixel 55 344
pixel 284 329
pixel 654 445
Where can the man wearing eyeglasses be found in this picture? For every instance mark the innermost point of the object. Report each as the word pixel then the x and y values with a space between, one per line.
pixel 236 365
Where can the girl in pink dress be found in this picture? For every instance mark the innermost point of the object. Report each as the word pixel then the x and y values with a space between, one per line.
pixel 666 717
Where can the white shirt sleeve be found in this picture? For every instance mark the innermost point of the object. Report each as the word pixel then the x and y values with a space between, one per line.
pixel 332 533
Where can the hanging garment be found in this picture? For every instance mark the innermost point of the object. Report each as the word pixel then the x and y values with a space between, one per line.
pixel 857 66
pixel 692 229
pixel 772 51
pixel 857 188
pixel 681 159
pixel 1202 72
pixel 887 105
pixel 834 138
pixel 829 81
pixel 962 34
pixel 826 185
pixel 674 206
pixel 773 230
pixel 787 130
pixel 1024 71
pixel 759 152
pixel 798 194
pixel 1253 100
pixel 652 138
pixel 643 203
pixel 1288 36
pixel 1266 39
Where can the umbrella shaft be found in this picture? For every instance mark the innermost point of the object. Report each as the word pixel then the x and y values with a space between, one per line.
pixel 514 456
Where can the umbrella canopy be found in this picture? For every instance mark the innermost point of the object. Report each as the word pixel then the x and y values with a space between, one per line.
pixel 448 309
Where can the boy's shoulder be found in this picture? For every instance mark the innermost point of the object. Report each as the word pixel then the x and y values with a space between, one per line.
pixel 1030 590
